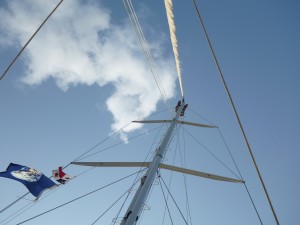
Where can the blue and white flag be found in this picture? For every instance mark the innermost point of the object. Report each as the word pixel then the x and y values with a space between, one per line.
pixel 35 181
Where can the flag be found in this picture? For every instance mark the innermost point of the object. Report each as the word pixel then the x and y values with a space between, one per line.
pixel 35 181
pixel 60 176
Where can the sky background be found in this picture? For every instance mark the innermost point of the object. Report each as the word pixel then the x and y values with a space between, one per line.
pixel 84 76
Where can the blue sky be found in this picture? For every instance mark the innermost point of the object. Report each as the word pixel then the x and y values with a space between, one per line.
pixel 84 75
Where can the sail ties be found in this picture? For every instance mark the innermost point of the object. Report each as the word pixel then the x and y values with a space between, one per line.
pixel 172 27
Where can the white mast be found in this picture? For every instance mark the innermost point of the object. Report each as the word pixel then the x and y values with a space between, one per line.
pixel 136 205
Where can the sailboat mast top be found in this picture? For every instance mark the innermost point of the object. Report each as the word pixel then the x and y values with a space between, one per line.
pixel 137 203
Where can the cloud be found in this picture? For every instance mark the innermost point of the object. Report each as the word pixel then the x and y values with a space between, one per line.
pixel 80 44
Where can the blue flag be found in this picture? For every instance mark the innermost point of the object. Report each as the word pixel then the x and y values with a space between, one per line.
pixel 35 181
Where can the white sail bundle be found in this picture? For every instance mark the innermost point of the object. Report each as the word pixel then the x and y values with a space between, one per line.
pixel 172 27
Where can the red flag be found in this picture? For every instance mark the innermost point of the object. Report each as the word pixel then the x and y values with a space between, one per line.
pixel 60 176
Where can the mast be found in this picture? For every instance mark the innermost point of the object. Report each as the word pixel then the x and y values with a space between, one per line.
pixel 137 203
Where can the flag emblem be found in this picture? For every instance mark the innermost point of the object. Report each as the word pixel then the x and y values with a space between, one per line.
pixel 35 181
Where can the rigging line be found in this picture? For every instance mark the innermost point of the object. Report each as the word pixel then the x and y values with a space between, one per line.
pixel 241 177
pixel 185 183
pixel 197 114
pixel 79 157
pixel 16 212
pixel 253 204
pixel 145 203
pixel 212 154
pixel 140 170
pixel 150 192
pixel 146 47
pixel 231 156
pixel 236 115
pixel 154 140
pixel 82 196
pixel 29 206
pixel 166 201
pixel 115 202
pixel 128 193
pixel 122 142
pixel 172 28
pixel 148 54
pixel 173 200
pixel 171 176
pixel 30 39
pixel 143 43
pixel 14 202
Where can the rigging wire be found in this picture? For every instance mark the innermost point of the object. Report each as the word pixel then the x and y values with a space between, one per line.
pixel 27 207
pixel 122 142
pixel 75 199
pixel 79 157
pixel 171 176
pixel 30 39
pixel 172 28
pixel 184 178
pixel 197 114
pixel 101 142
pixel 115 202
pixel 145 47
pixel 173 200
pixel 16 213
pixel 170 180
pixel 12 63
pixel 14 202
pixel 166 201
pixel 33 203
pixel 212 154
pixel 117 216
pixel 236 114
pixel 248 192
pixel 235 164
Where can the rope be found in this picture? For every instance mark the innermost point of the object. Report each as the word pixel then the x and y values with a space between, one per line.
pixel 111 205
pixel 119 143
pixel 237 116
pixel 16 213
pixel 145 47
pixel 79 157
pixel 82 196
pixel 249 195
pixel 14 202
pixel 109 208
pixel 137 175
pixel 30 39
pixel 235 164
pixel 171 176
pixel 197 114
pixel 166 201
pixel 12 63
pixel 173 200
pixel 183 164
pixel 33 203
pixel 89 150
pixel 172 28
pixel 212 154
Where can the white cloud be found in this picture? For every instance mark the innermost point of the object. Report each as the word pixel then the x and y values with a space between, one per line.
pixel 81 45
